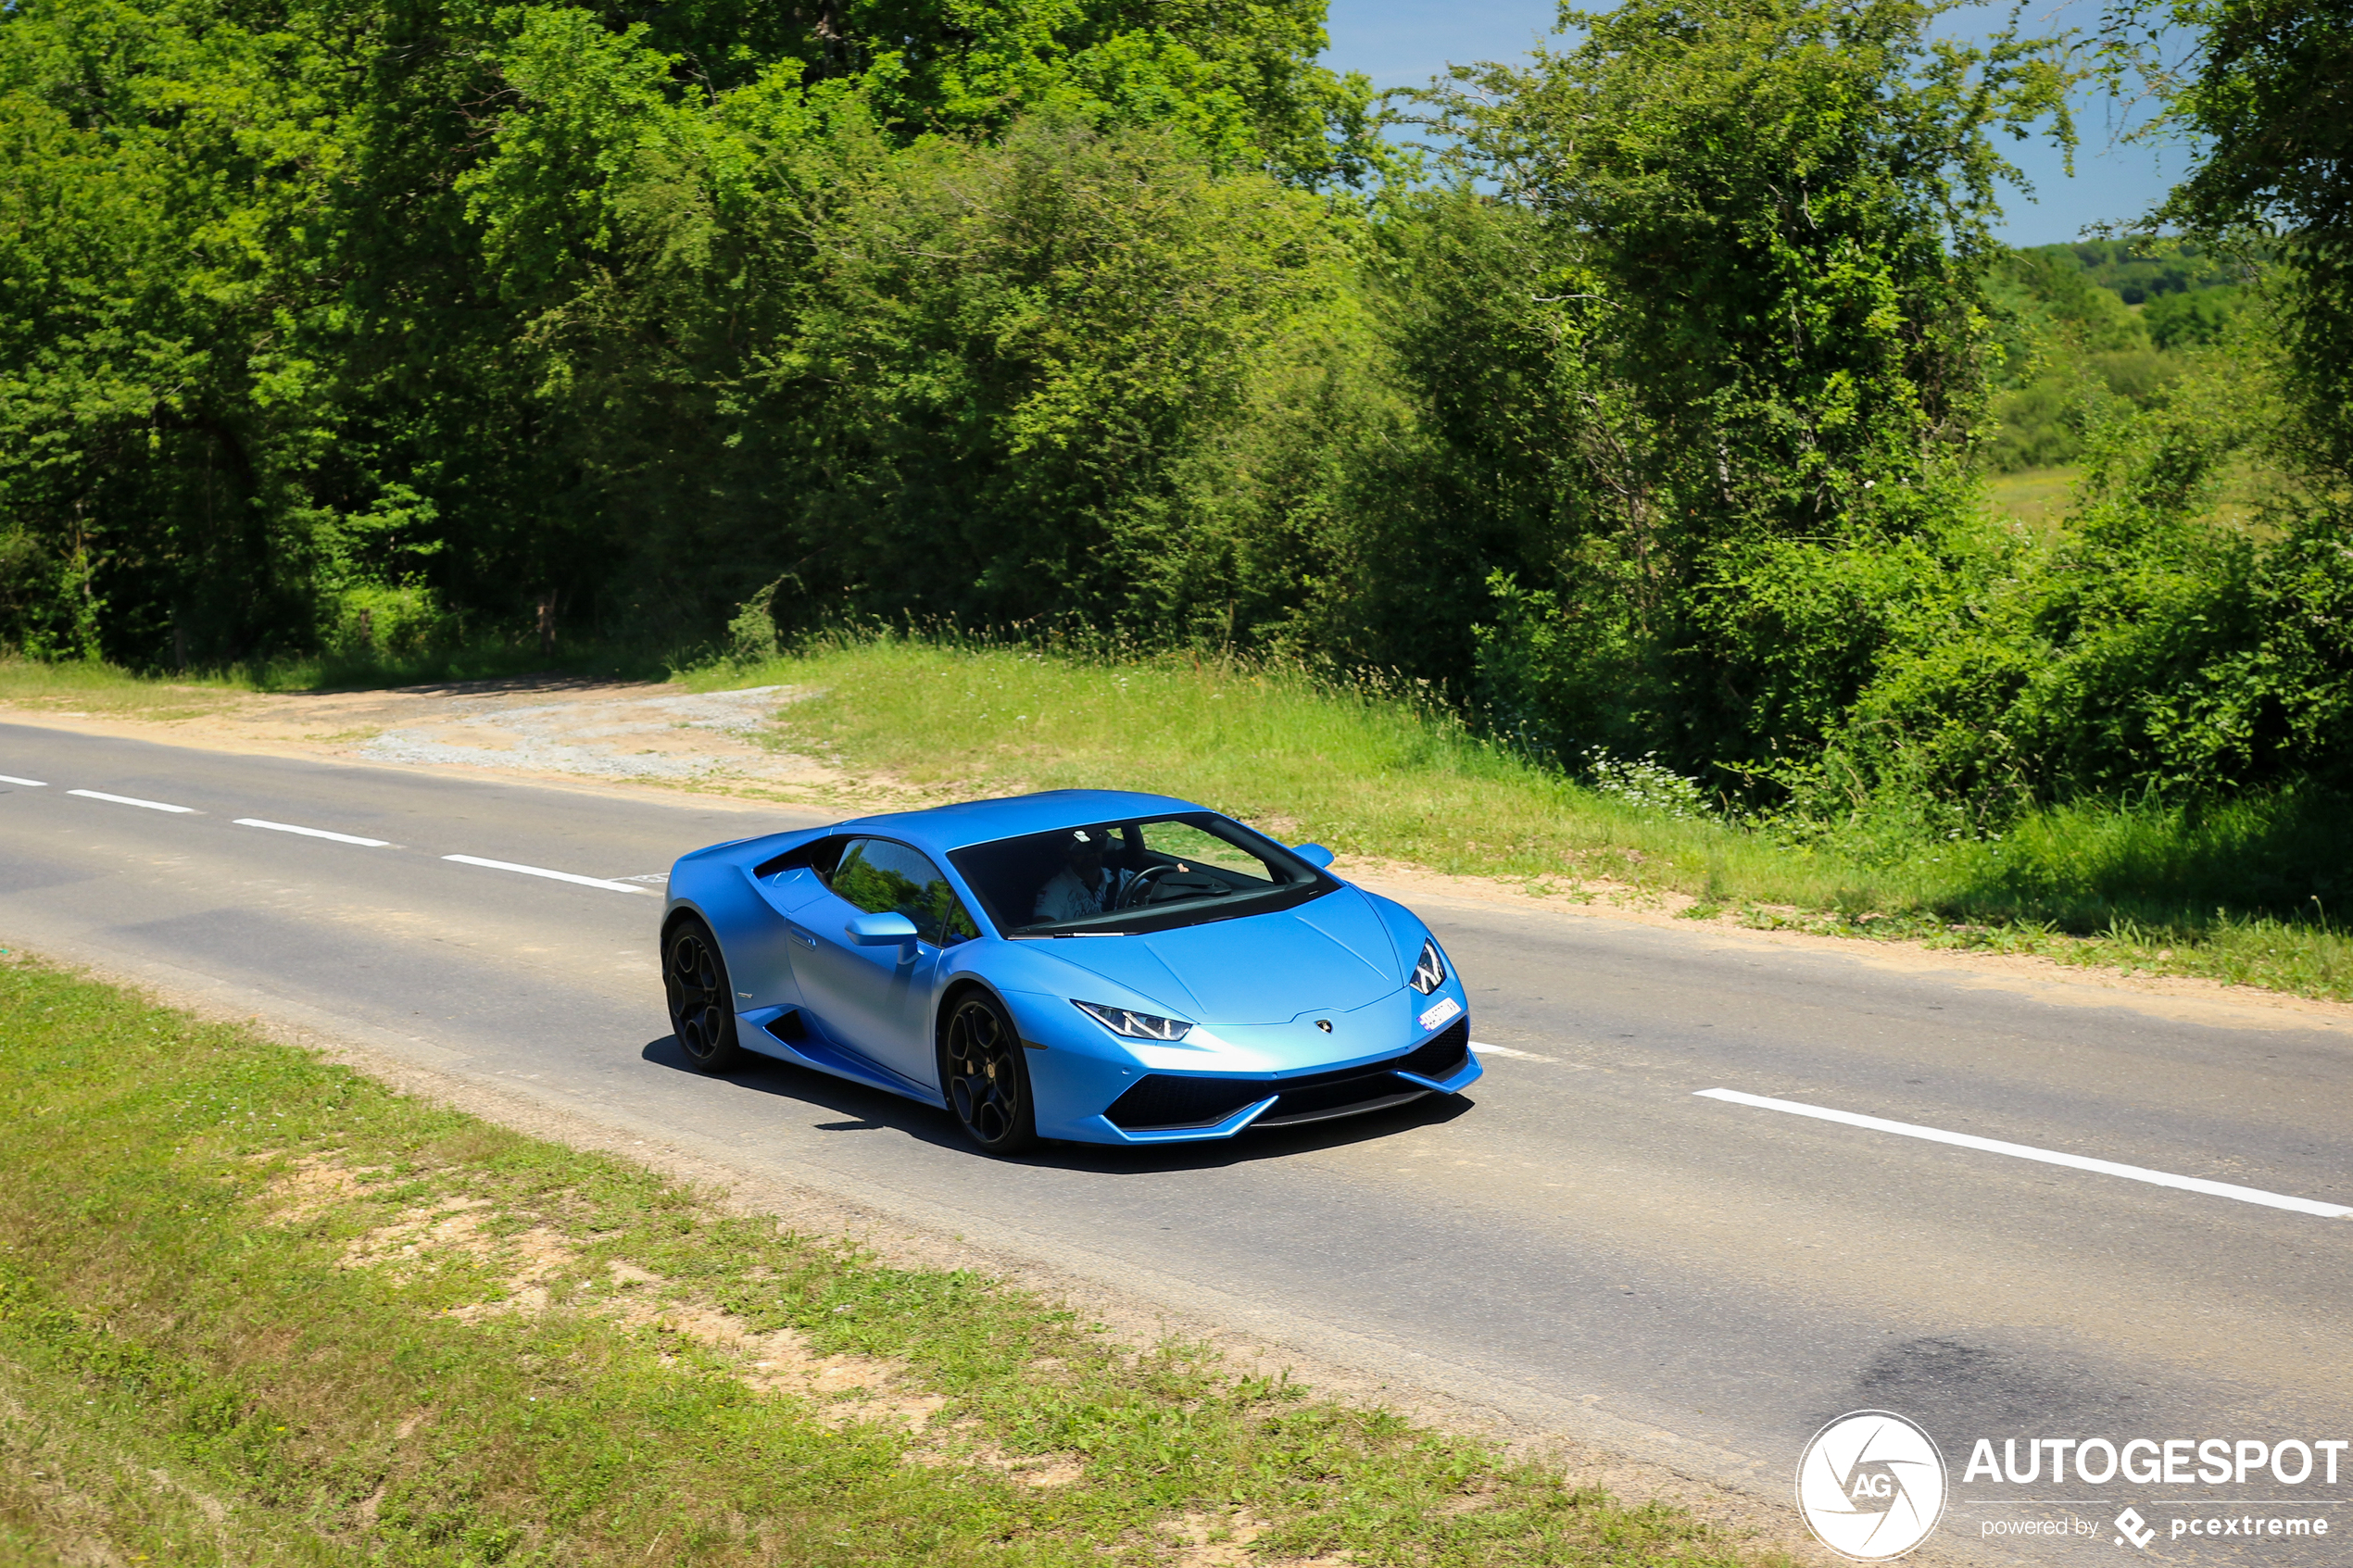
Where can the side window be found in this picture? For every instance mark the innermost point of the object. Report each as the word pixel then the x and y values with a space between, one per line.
pixel 878 876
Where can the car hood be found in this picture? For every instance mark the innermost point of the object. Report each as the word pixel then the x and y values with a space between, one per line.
pixel 1332 953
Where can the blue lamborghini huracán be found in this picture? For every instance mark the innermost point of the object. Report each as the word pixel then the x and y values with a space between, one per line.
pixel 1085 964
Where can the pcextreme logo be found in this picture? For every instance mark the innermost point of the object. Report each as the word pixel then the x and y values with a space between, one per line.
pixel 1871 1486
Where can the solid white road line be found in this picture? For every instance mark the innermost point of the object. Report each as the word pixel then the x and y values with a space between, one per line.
pixel 2046 1156
pixel 130 800
pixel 29 783
pixel 554 876
pixel 315 832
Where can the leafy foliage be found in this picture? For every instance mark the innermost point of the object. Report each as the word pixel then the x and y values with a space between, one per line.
pixel 1767 229
pixel 2264 90
pixel 1650 427
pixel 2071 338
pixel 451 298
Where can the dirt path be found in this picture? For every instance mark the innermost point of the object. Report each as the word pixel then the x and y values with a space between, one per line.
pixel 547 729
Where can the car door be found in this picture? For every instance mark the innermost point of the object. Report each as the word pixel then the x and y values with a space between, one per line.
pixel 878 1000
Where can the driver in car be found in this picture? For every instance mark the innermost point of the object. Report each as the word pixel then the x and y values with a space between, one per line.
pixel 1084 885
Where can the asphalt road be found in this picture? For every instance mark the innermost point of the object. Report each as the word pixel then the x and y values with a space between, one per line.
pixel 1586 1243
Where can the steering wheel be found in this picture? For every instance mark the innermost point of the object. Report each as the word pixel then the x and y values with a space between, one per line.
pixel 1140 890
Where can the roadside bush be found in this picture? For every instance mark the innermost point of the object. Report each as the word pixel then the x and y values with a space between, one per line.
pixel 370 620
pixel 2149 651
pixel 2283 852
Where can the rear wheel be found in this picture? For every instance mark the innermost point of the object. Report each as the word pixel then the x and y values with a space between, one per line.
pixel 703 1008
pixel 984 1072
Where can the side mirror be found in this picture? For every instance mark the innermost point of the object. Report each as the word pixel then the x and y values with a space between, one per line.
pixel 1315 855
pixel 888 929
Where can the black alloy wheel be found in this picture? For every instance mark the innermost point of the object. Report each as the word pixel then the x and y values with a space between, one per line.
pixel 987 1077
pixel 703 1010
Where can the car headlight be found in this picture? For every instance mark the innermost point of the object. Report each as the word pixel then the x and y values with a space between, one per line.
pixel 1429 970
pixel 1133 1025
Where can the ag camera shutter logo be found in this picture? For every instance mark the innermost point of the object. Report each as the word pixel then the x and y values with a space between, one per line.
pixel 1871 1486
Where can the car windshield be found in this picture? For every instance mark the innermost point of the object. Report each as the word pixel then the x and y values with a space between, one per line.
pixel 1148 874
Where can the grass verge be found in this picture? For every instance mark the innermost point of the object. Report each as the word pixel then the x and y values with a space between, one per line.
pixel 1374 772
pixel 257 1308
pixel 99 688
pixel 95 688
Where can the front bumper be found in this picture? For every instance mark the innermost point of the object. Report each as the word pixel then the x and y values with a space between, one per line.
pixel 1166 1097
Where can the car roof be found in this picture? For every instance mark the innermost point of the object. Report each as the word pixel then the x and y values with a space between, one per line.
pixel 942 828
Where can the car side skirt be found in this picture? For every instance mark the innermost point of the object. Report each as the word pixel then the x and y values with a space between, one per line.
pixel 822 1056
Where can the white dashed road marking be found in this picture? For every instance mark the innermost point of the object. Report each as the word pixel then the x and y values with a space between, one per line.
pixel 130 800
pixel 636 885
pixel 553 876
pixel 2044 1156
pixel 315 832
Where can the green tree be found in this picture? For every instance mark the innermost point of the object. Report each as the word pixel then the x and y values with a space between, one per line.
pixel 940 376
pixel 158 405
pixel 2265 95
pixel 515 302
pixel 1769 225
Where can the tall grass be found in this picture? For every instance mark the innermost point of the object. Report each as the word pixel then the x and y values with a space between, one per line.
pixel 1377 769
pixel 1367 768
pixel 98 687
pixel 92 687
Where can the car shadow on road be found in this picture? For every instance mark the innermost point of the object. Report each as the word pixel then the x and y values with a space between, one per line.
pixel 863 1110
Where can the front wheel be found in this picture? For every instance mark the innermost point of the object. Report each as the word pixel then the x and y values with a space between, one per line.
pixel 703 1008
pixel 985 1077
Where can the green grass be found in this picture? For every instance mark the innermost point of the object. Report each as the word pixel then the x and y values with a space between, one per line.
pixel 100 688
pixel 95 688
pixel 2226 893
pixel 2038 497
pixel 482 659
pixel 257 1308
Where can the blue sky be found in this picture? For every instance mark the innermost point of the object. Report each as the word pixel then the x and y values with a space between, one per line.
pixel 1403 43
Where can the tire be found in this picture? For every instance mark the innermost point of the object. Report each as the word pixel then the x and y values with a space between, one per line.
pixel 985 1073
pixel 702 1007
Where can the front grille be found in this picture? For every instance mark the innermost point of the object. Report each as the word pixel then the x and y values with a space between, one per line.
pixel 1165 1102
